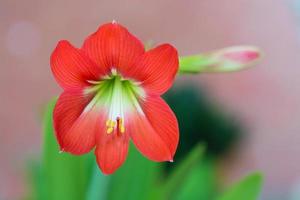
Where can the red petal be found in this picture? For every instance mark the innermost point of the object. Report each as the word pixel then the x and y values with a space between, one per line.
pixel 155 133
pixel 156 69
pixel 112 46
pixel 75 127
pixel 71 67
pixel 111 151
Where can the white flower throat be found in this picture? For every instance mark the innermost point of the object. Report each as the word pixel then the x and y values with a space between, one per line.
pixel 119 97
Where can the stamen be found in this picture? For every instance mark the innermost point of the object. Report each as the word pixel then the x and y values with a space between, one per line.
pixel 119 123
pixel 110 126
pixel 109 130
pixel 110 123
pixel 122 129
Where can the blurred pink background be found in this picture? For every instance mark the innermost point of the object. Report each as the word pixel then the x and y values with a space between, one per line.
pixel 267 97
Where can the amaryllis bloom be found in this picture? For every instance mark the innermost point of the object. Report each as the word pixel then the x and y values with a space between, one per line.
pixel 112 90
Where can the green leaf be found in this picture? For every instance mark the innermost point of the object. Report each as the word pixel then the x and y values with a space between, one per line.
pixel 135 180
pixel 64 176
pixel 178 176
pixel 224 60
pixel 98 185
pixel 248 188
pixel 200 182
pixel 35 181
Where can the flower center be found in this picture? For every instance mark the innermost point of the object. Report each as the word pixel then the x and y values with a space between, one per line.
pixel 118 96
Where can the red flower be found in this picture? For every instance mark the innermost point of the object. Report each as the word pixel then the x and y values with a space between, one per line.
pixel 111 94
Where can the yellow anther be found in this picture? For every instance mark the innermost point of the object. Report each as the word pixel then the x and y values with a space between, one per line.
pixel 109 130
pixel 110 123
pixel 122 129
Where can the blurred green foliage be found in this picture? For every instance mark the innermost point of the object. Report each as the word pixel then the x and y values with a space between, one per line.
pixel 60 175
pixel 201 121
pixel 246 189
pixel 192 176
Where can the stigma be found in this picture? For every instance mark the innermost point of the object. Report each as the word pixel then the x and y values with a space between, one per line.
pixel 117 125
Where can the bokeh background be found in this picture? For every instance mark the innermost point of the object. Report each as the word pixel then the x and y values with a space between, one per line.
pixel 266 99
